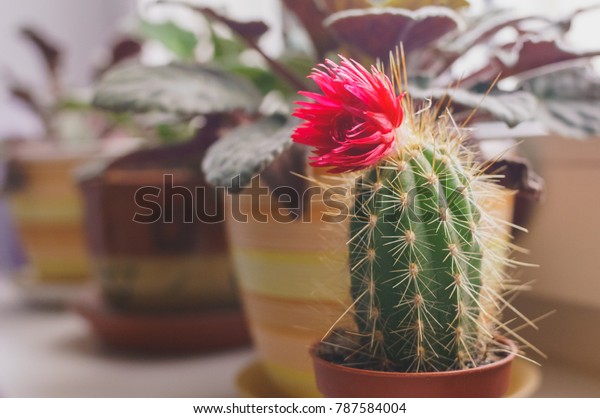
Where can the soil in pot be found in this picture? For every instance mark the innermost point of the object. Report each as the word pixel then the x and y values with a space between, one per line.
pixel 342 373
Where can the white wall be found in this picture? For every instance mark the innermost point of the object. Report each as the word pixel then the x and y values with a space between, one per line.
pixel 564 228
pixel 82 27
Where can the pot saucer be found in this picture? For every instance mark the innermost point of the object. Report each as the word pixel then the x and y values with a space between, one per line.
pixel 47 295
pixel 254 382
pixel 164 333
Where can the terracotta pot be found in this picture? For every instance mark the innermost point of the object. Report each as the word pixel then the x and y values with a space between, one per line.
pixel 155 266
pixel 488 381
pixel 48 215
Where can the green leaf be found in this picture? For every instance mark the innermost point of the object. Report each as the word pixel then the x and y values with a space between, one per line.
pixel 264 80
pixel 172 133
pixel 179 41
pixel 226 49
pixel 245 151
pixel 569 100
pixel 182 89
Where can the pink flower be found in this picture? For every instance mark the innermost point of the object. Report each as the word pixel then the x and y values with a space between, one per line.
pixel 352 125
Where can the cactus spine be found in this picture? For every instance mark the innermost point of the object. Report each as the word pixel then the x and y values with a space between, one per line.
pixel 416 253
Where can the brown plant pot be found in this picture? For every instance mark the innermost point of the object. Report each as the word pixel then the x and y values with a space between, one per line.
pixel 488 381
pixel 158 266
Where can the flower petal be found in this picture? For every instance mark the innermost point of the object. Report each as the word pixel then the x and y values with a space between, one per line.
pixel 352 124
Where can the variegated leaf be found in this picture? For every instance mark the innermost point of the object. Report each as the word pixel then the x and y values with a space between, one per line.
pixel 510 108
pixel 531 53
pixel 416 4
pixel 245 151
pixel 179 41
pixel 569 100
pixel 181 89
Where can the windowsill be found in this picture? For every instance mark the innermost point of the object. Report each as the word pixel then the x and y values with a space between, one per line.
pixel 49 353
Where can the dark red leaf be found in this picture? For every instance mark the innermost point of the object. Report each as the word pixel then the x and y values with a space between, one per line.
pixel 243 31
pixel 519 58
pixel 49 51
pixel 252 30
pixel 26 97
pixel 377 31
pixel 122 50
pixel 531 54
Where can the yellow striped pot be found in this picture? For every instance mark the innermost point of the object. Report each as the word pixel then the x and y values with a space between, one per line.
pixel 47 210
pixel 294 281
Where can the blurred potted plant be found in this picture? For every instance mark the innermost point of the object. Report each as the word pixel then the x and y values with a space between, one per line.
pixel 43 196
pixel 154 227
pixel 255 250
pixel 269 268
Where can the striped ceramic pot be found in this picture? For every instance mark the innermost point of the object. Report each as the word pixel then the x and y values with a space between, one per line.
pixel 176 262
pixel 294 281
pixel 47 211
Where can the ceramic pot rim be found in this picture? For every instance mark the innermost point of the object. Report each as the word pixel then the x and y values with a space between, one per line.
pixel 418 375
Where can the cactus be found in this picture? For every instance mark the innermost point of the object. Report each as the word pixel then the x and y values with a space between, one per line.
pixel 421 236
pixel 419 241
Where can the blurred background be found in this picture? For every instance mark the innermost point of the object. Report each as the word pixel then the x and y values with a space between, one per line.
pixel 57 340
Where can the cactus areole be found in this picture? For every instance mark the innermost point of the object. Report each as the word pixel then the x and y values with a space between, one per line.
pixel 419 232
pixel 416 261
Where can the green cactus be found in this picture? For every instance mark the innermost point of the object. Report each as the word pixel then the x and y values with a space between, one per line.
pixel 417 249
